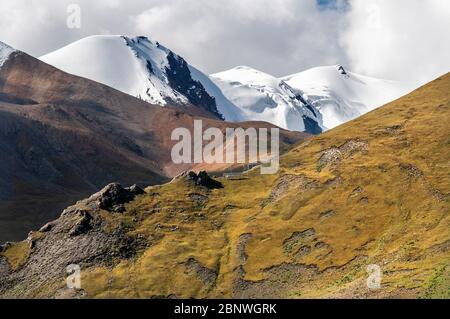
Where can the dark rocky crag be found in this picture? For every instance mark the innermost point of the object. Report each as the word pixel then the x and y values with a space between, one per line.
pixel 80 236
pixel 180 78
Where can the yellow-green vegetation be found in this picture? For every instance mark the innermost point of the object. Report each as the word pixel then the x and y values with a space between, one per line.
pixel 372 191
pixel 17 254
pixel 439 283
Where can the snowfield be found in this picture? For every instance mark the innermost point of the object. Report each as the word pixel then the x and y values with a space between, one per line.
pixel 341 96
pixel 313 100
pixel 229 111
pixel 143 68
pixel 111 61
pixel 263 97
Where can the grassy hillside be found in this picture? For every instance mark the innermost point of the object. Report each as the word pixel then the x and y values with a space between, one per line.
pixel 373 191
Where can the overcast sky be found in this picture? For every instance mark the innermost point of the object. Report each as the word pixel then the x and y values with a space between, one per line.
pixel 406 40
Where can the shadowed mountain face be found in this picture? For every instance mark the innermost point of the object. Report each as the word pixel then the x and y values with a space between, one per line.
pixel 64 137
pixel 372 194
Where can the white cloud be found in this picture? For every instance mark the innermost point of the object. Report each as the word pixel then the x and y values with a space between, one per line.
pixel 277 36
pixel 404 39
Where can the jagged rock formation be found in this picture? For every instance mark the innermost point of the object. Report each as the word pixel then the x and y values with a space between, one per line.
pixel 203 179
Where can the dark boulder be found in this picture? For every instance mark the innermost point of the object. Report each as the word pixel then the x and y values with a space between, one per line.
pixel 113 196
pixel 83 224
pixel 46 228
pixel 135 190
pixel 203 179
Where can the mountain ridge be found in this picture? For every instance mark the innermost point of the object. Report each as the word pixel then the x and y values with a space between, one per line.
pixel 312 101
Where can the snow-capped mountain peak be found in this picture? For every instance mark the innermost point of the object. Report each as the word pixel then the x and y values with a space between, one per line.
pixel 138 66
pixel 342 71
pixel 340 95
pixel 261 96
pixel 5 52
pixel 153 58
pixel 313 100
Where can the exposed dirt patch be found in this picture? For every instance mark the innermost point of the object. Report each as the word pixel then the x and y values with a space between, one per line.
pixel 198 199
pixel 440 196
pixel 320 245
pixel 297 238
pixel 334 182
pixel 243 240
pixel 304 250
pixel 327 214
pixel 281 280
pixel 286 183
pixel 412 171
pixel 392 130
pixel 333 156
pixel 206 275
pixel 364 201
pixel 441 248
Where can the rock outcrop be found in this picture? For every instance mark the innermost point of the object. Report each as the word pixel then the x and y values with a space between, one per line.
pixel 80 236
pixel 203 179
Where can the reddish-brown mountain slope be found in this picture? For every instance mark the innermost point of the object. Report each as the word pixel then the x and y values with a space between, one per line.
pixel 63 137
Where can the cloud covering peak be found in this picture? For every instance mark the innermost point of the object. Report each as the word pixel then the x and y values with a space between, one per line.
pixel 403 39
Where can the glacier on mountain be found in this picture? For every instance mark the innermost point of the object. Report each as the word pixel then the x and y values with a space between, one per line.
pixel 262 97
pixel 340 95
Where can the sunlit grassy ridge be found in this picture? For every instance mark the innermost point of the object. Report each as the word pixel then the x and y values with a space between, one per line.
pixel 383 199
pixel 372 191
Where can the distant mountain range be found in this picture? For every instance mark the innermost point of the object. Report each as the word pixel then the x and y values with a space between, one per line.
pixel 311 101
pixel 260 96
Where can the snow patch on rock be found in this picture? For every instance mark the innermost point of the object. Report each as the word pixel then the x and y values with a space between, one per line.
pixel 5 52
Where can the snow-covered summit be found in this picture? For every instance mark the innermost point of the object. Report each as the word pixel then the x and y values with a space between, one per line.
pixel 5 52
pixel 261 96
pixel 137 66
pixel 340 95
pixel 314 100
